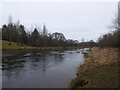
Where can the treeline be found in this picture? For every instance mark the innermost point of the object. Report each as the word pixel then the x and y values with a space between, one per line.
pixel 110 39
pixel 89 44
pixel 17 33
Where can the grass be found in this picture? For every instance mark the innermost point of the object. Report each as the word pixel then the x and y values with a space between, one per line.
pixel 6 45
pixel 100 70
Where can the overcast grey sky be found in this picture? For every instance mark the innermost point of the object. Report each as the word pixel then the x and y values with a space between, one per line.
pixel 75 20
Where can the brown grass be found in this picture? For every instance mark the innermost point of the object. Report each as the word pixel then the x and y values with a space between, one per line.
pixel 99 56
pixel 100 69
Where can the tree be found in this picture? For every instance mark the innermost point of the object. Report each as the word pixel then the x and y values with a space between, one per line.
pixel 92 43
pixel 23 35
pixel 58 36
pixel 10 20
pixel 4 32
pixel 45 32
pixel 50 40
pixel 34 38
pixel 58 39
pixel 45 36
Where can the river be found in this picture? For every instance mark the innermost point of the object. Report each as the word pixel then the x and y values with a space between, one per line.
pixel 40 69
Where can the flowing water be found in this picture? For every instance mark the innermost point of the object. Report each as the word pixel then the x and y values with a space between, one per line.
pixel 40 69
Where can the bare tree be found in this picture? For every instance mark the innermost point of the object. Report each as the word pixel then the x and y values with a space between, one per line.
pixel 10 20
pixel 45 32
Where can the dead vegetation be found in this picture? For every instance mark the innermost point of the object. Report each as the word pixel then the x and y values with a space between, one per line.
pixel 98 57
pixel 100 69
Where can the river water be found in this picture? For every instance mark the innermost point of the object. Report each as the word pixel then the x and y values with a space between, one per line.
pixel 40 69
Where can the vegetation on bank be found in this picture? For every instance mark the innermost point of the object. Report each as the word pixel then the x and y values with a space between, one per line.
pixel 7 45
pixel 100 69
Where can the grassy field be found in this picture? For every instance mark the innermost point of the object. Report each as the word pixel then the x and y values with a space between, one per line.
pixel 6 45
pixel 100 70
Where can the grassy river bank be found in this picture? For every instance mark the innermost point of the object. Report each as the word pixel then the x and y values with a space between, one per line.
pixel 12 46
pixel 99 70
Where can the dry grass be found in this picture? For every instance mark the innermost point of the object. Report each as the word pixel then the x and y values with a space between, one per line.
pixel 104 55
pixel 100 69
pixel 97 57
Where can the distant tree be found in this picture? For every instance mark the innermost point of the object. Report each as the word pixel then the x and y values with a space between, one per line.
pixel 71 42
pixel 50 40
pixel 45 32
pixel 44 36
pixel 82 43
pixel 110 39
pixel 4 32
pixel 34 38
pixel 91 43
pixel 58 36
pixel 10 20
pixel 58 39
pixel 23 35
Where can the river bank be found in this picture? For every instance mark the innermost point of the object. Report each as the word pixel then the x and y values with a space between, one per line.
pixel 12 46
pixel 99 70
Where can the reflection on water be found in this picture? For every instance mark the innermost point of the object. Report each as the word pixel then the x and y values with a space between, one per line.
pixel 48 69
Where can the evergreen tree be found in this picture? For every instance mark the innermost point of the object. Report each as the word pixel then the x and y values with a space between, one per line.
pixel 35 38
pixel 23 35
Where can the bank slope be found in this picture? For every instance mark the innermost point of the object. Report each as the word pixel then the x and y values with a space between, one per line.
pixel 100 70
pixel 7 45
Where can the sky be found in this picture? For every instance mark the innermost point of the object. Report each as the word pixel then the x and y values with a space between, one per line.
pixel 76 20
